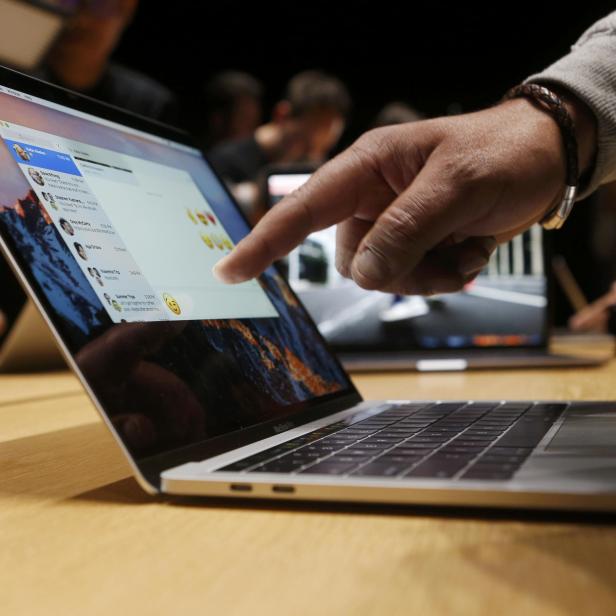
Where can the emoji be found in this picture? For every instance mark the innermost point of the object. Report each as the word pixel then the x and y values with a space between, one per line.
pixel 227 244
pixel 116 305
pixel 207 240
pixel 219 242
pixel 191 216
pixel 171 303
pixel 202 218
pixel 212 218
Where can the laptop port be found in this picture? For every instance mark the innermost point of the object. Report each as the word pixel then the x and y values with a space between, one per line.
pixel 285 489
pixel 240 487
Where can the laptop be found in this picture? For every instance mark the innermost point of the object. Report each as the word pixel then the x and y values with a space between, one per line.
pixel 219 390
pixel 500 320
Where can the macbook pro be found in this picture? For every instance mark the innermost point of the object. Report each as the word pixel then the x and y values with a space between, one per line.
pixel 113 223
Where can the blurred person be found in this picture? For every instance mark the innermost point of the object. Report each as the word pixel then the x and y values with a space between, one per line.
pixel 396 112
pixel 306 124
pixel 80 60
pixel 232 108
pixel 599 316
pixel 420 207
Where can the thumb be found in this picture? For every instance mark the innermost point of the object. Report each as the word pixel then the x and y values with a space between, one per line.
pixel 421 218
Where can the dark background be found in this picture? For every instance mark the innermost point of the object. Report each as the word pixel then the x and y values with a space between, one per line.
pixel 438 57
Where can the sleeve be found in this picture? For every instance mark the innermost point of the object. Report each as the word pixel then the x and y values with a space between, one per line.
pixel 589 71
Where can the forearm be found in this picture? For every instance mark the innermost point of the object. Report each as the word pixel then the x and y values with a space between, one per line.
pixel 586 79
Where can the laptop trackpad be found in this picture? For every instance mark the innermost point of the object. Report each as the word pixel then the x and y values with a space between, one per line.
pixel 589 431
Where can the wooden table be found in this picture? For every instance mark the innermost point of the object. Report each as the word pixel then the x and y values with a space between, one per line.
pixel 79 536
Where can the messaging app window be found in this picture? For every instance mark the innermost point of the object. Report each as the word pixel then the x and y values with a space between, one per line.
pixel 143 233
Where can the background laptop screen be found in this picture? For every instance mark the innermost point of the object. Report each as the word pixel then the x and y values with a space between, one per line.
pixel 119 229
pixel 506 306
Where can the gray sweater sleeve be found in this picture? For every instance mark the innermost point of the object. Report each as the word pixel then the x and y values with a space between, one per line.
pixel 589 71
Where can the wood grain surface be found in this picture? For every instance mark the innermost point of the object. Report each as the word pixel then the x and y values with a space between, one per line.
pixel 80 537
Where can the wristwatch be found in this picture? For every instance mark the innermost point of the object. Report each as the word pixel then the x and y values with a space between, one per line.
pixel 553 104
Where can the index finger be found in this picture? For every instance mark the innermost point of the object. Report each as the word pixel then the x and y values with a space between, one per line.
pixel 332 194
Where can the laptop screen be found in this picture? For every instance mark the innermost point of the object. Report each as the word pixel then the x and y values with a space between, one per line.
pixel 117 230
pixel 506 306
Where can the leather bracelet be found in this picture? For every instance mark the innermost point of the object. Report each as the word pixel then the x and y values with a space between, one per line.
pixel 553 104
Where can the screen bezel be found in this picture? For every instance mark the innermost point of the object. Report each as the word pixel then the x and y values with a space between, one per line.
pixel 150 469
pixel 394 350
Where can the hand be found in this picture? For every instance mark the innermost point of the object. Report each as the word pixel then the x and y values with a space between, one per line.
pixel 421 206
pixel 595 316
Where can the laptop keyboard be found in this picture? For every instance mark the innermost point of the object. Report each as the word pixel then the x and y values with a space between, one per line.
pixel 442 441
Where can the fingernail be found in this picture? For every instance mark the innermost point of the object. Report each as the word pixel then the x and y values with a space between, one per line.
pixel 368 266
pixel 489 243
pixel 221 274
pixel 473 264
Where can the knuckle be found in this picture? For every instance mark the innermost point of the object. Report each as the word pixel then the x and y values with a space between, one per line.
pixel 376 146
pixel 400 228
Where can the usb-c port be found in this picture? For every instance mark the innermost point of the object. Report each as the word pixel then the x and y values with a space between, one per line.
pixel 286 489
pixel 240 487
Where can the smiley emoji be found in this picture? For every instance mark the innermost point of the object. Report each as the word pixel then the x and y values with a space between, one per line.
pixel 191 216
pixel 207 240
pixel 171 303
pixel 202 217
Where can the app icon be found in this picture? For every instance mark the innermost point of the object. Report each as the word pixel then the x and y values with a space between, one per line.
pixel 171 303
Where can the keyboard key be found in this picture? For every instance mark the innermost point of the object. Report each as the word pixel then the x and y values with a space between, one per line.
pixel 438 467
pixel 412 444
pixel 529 430
pixel 278 466
pixel 510 451
pixel 383 440
pixel 475 450
pixel 381 469
pixel 240 465
pixel 329 468
pixel 387 457
pixel 428 439
pixel 348 459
